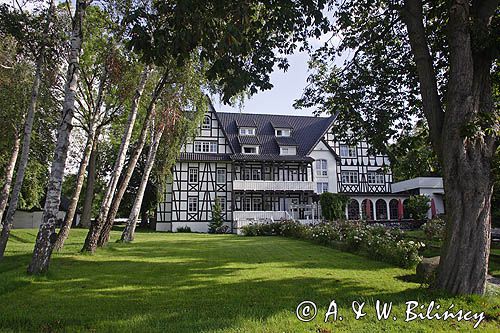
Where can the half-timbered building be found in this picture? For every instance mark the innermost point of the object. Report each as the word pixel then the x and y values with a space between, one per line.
pixel 272 167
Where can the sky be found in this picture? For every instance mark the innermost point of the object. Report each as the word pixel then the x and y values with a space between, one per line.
pixel 288 86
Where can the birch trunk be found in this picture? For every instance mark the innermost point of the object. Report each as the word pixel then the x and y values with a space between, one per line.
pixel 9 173
pixel 89 193
pixel 46 234
pixel 70 214
pixel 128 232
pixel 23 161
pixel 106 230
pixel 96 226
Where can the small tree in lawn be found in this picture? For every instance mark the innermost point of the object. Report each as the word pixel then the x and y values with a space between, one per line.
pixel 217 221
pixel 418 205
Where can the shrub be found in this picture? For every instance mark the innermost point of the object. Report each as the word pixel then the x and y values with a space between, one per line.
pixel 434 228
pixel 333 205
pixel 217 221
pixel 418 205
pixel 374 241
pixel 184 229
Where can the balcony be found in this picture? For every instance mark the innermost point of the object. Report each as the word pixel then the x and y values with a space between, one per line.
pixel 265 185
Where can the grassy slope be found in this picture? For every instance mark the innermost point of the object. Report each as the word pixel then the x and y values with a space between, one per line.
pixel 196 282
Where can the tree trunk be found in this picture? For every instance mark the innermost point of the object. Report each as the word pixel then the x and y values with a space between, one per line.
pixel 106 230
pixel 46 234
pixel 9 173
pixel 89 193
pixel 23 161
pixel 70 214
pixel 95 227
pixel 128 232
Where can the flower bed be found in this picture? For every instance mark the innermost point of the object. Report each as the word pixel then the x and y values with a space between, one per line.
pixel 374 241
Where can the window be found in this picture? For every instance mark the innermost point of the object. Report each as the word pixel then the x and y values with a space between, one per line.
pixel 347 151
pixel 322 187
pixel 250 150
pixel 221 176
pixel 349 177
pixel 288 151
pixel 192 204
pixel 256 174
pixel 207 122
pixel 246 174
pixel 375 178
pixel 247 131
pixel 193 176
pixel 247 205
pixel 257 204
pixel 321 168
pixel 222 202
pixel 283 132
pixel 205 147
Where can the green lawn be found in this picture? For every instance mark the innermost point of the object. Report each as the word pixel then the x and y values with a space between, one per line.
pixel 196 282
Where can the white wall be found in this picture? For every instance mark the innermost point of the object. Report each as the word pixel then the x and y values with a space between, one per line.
pixel 29 220
pixel 323 153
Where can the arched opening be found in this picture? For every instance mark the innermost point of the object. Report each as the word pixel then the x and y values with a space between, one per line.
pixel 367 209
pixel 393 209
pixel 381 207
pixel 406 213
pixel 353 210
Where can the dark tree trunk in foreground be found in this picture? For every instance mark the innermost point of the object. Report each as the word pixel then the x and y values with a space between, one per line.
pixel 106 230
pixel 466 157
pixel 70 214
pixel 96 226
pixel 46 234
pixel 129 231
pixel 9 173
pixel 89 192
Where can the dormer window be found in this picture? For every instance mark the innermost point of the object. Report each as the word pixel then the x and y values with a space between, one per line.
pixel 247 131
pixel 288 150
pixel 283 132
pixel 250 150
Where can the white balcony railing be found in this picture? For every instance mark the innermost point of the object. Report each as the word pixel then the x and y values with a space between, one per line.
pixel 265 185
pixel 254 216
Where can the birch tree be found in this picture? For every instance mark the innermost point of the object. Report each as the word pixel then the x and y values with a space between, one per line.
pixel 46 234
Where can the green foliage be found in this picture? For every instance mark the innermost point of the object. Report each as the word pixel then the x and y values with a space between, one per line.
pixel 241 41
pixel 333 205
pixel 216 223
pixel 434 229
pixel 418 206
pixel 184 229
pixel 373 241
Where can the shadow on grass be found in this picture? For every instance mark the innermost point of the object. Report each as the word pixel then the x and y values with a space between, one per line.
pixel 188 284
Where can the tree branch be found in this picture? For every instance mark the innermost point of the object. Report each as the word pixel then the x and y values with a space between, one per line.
pixel 413 18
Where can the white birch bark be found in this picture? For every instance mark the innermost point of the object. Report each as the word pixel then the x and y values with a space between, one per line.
pixel 96 226
pixel 9 174
pixel 46 234
pixel 128 232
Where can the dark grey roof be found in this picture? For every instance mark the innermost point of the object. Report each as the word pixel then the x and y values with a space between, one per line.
pixel 203 157
pixel 306 131
pixel 286 141
pixel 280 123
pixel 245 122
pixel 248 140
pixel 271 157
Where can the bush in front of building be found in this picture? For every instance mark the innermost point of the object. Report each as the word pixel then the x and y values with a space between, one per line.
pixel 374 241
pixel 434 229
pixel 333 205
pixel 418 206
pixel 184 229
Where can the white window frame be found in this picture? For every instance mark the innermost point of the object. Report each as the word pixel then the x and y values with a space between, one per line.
pixel 247 131
pixel 195 173
pixel 376 178
pixel 347 151
pixel 283 132
pixel 349 177
pixel 206 125
pixel 192 201
pixel 205 147
pixel 220 173
pixel 288 150
pixel 322 168
pixel 250 147
pixel 322 187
